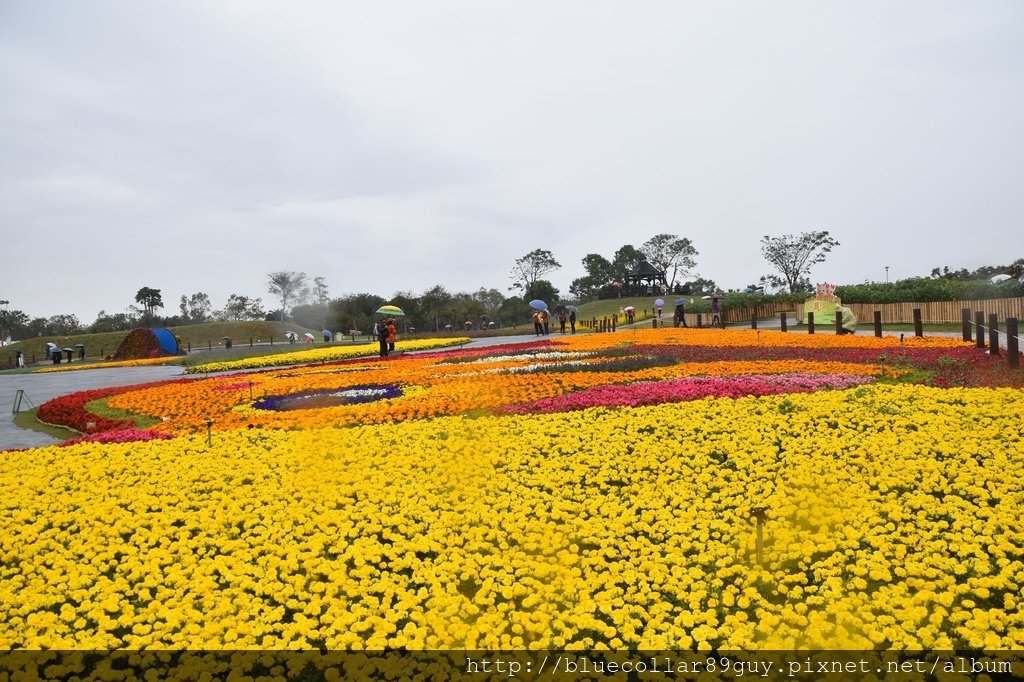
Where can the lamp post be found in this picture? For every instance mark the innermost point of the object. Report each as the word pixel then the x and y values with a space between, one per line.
pixel 886 274
pixel 3 332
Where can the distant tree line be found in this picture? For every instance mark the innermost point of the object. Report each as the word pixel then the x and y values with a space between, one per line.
pixel 306 302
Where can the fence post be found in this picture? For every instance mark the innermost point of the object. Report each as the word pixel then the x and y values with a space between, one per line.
pixel 810 323
pixel 250 342
pixel 1012 352
pixel 782 319
pixel 753 320
pixel 965 323
pixel 878 323
pixel 654 322
pixel 615 319
pixel 839 323
pixel 918 328
pixel 700 321
pixel 209 344
pixel 993 334
pixel 979 328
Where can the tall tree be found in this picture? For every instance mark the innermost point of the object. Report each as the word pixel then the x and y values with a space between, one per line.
pixel 195 308
pixel 434 307
pixel 794 256
pixel 600 272
pixel 625 259
pixel 320 295
pixel 530 268
pixel 287 286
pixel 491 300
pixel 670 253
pixel 242 308
pixel 149 299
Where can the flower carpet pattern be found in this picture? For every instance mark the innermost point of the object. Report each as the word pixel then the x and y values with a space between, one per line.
pixel 594 491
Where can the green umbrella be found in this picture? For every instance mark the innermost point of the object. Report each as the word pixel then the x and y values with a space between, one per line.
pixel 389 310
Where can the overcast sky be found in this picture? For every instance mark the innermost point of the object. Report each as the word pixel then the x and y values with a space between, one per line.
pixel 386 146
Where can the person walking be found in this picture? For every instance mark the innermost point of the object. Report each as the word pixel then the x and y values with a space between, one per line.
pixel 716 317
pixel 538 326
pixel 562 319
pixel 680 317
pixel 392 333
pixel 380 330
pixel 545 318
pixel 572 320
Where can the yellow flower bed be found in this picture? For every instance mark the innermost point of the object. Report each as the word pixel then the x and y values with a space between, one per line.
pixel 323 354
pixel 118 363
pixel 893 520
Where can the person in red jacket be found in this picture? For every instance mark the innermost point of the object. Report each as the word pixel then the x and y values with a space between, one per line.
pixel 392 334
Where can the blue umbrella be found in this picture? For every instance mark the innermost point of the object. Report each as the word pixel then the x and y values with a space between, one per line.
pixel 538 304
pixel 681 301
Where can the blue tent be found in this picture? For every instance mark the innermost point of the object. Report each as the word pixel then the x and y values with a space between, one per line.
pixel 168 343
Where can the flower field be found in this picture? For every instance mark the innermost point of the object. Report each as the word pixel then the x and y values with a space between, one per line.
pixel 584 492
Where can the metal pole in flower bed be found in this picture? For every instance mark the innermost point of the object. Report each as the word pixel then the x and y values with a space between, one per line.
pixel 810 323
pixel 839 323
pixel 918 327
pixel 878 323
pixel 209 432
pixel 965 323
pixel 782 319
pixel 1012 352
pixel 979 325
pixel 753 320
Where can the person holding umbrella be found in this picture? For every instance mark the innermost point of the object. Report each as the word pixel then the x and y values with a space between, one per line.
pixel 678 318
pixel 538 325
pixel 380 330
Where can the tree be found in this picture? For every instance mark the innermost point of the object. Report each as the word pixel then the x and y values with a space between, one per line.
pixel 600 272
pixel 530 268
pixel 149 299
pixel 117 322
pixel 702 287
pixel 13 324
pixel 242 308
pixel 434 307
pixel 287 286
pixel 63 325
pixel 320 295
pixel 491 300
pixel 355 311
pixel 794 257
pixel 543 290
pixel 195 308
pixel 625 259
pixel 669 252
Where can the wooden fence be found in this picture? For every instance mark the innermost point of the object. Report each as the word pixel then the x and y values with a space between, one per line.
pixel 939 311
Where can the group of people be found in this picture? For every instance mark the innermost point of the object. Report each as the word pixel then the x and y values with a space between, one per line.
pixel 386 333
pixel 541 321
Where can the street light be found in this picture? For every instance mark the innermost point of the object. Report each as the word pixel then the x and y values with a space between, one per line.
pixel 886 274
